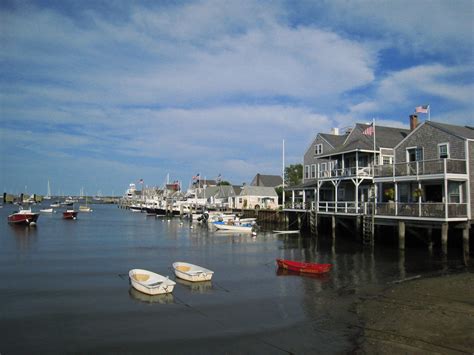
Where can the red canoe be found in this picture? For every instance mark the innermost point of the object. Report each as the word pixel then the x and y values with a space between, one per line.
pixel 313 268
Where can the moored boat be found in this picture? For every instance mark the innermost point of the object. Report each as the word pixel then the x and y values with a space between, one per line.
pixel 313 268
pixel 70 214
pixel 191 272
pixel 23 216
pixel 233 227
pixel 150 283
pixel 46 210
pixel 85 209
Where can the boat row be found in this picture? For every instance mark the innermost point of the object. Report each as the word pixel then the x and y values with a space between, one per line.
pixel 151 283
pixel 25 216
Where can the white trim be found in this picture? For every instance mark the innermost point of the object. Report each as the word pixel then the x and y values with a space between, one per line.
pixel 416 147
pixel 447 150
pixel 410 134
pixel 468 184
pixel 318 149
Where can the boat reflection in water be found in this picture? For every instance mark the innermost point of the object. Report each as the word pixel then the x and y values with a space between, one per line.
pixel 196 287
pixel 165 298
pixel 286 272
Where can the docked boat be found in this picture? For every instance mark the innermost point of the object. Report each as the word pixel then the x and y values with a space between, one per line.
pixel 191 272
pixel 46 210
pixel 313 268
pixel 56 204
pixel 150 283
pixel 23 216
pixel 70 214
pixel 236 227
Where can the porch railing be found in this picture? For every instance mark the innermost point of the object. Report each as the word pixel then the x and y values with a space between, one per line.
pixel 422 167
pixel 346 172
pixel 395 209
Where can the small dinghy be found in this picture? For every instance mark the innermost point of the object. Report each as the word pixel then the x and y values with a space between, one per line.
pixel 150 283
pixel 191 272
pixel 313 268
pixel 46 210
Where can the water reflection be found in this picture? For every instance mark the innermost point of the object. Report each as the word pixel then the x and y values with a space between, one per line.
pixel 166 298
pixel 25 236
pixel 196 287
pixel 321 277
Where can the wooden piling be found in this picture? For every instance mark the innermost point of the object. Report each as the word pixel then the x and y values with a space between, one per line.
pixel 444 238
pixel 401 235
pixel 465 241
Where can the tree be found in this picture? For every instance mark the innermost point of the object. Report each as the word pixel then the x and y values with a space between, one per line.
pixel 223 183
pixel 293 174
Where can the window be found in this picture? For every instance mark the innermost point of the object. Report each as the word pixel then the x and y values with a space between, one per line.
pixel 306 171
pixel 387 160
pixel 454 192
pixel 443 150
pixel 313 171
pixel 318 149
pixel 414 154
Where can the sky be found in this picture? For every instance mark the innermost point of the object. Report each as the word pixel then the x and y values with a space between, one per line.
pixel 96 95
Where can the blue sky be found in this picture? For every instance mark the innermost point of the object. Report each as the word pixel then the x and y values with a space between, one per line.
pixel 99 94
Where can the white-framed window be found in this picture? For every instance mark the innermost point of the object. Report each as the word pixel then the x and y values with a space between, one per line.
pixel 306 171
pixel 414 154
pixel 443 150
pixel 387 160
pixel 318 149
pixel 313 171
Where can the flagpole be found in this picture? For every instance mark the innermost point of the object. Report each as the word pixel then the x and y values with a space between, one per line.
pixel 373 124
pixel 283 174
pixel 429 113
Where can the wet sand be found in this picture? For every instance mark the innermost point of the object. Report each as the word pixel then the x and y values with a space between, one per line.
pixel 422 316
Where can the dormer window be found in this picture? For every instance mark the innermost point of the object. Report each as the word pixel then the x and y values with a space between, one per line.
pixel 318 149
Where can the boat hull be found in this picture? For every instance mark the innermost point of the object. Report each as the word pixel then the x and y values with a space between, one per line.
pixel 190 272
pixel 233 228
pixel 150 283
pixel 70 215
pixel 23 218
pixel 312 268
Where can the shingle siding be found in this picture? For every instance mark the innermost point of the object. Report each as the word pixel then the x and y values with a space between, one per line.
pixel 428 137
pixel 471 174
pixel 310 158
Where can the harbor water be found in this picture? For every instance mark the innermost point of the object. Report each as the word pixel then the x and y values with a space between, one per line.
pixel 65 287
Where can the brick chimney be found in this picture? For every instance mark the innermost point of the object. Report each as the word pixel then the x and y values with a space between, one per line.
pixel 413 122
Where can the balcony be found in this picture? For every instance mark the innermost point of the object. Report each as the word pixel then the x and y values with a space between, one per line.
pixel 362 171
pixel 423 167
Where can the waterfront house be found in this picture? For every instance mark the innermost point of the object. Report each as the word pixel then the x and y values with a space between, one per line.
pixel 338 169
pixel 256 197
pixel 431 177
pixel 267 180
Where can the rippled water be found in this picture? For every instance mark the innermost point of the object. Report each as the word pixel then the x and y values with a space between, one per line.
pixel 65 287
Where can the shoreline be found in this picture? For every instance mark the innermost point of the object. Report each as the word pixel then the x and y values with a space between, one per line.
pixel 423 315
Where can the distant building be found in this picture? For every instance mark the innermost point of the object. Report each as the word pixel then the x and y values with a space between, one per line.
pixel 267 180
pixel 256 197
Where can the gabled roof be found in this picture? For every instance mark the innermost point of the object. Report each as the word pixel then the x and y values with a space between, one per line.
pixel 267 180
pixel 333 139
pixel 465 132
pixel 258 191
pixel 385 137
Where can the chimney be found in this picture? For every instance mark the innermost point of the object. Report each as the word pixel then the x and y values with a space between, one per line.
pixel 335 131
pixel 413 122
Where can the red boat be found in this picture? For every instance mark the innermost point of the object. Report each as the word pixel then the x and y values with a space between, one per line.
pixel 70 214
pixel 313 268
pixel 25 217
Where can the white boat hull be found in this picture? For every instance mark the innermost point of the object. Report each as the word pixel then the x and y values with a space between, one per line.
pixel 192 272
pixel 150 283
pixel 234 228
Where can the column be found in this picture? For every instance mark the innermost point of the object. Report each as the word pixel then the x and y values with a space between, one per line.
pixel 401 235
pixel 444 238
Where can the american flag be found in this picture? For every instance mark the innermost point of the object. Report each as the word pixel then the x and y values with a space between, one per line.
pixel 369 130
pixel 422 109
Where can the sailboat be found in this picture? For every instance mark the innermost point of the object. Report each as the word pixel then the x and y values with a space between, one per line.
pixel 85 208
pixel 48 195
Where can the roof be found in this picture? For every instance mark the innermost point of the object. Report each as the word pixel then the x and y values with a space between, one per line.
pixel 258 191
pixel 267 180
pixel 334 139
pixel 465 132
pixel 385 137
pixel 302 186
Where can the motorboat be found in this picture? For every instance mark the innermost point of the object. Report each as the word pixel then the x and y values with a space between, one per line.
pixel 191 272
pixel 23 216
pixel 150 283
pixel 314 268
pixel 46 210
pixel 236 226
pixel 70 214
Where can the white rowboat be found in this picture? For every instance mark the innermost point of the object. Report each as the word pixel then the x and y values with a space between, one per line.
pixel 191 272
pixel 150 283
pixel 243 228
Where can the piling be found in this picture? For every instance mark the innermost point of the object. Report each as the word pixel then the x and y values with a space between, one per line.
pixel 465 241
pixel 401 235
pixel 444 238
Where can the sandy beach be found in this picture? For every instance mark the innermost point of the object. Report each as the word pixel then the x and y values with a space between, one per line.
pixel 420 316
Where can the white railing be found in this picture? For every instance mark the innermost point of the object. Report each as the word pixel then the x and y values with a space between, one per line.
pixel 346 172
pixel 422 167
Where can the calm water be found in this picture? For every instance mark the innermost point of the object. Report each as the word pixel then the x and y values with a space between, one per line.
pixel 65 287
